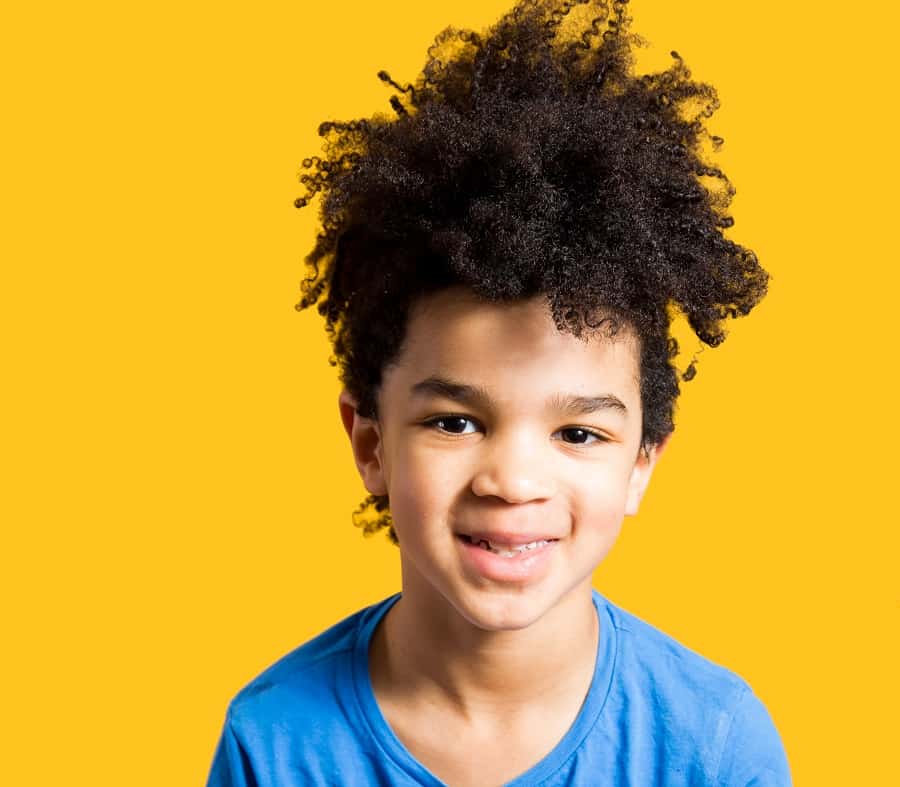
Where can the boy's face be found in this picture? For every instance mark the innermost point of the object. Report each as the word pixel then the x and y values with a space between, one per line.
pixel 495 425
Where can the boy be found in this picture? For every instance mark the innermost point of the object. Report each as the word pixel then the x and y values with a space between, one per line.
pixel 498 269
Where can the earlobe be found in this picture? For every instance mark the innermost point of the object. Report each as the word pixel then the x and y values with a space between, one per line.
pixel 365 441
pixel 641 473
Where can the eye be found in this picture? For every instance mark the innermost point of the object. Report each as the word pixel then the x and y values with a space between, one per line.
pixel 580 436
pixel 453 424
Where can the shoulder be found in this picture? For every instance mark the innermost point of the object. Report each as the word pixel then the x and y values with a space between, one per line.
pixel 647 654
pixel 752 752
pixel 704 711
pixel 298 721
pixel 306 682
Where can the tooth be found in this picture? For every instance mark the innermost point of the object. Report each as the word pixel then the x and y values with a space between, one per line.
pixel 508 551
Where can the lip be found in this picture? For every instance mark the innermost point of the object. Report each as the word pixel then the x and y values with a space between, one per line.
pixel 529 566
pixel 508 537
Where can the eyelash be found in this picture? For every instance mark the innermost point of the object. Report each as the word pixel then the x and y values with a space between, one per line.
pixel 433 423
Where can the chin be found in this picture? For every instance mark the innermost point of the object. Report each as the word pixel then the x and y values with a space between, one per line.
pixel 493 609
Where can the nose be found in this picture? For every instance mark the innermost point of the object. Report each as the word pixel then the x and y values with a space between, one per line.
pixel 513 470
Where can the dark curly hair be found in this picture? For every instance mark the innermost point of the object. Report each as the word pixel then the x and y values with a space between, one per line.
pixel 530 160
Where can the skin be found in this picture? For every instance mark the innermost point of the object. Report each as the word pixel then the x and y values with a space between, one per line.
pixel 483 657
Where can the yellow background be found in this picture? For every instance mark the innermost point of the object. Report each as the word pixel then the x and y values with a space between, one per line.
pixel 176 484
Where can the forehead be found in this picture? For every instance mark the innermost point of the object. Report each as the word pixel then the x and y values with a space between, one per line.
pixel 512 349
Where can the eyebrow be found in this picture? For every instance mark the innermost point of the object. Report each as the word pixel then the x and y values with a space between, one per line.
pixel 476 396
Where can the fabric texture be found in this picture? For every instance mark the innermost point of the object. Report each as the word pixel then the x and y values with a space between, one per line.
pixel 657 713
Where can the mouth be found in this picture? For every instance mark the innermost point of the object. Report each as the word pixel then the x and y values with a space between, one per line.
pixel 505 547
pixel 506 557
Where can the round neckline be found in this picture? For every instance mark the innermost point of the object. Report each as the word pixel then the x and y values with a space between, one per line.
pixel 567 746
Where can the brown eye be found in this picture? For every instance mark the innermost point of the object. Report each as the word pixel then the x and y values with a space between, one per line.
pixel 453 424
pixel 578 436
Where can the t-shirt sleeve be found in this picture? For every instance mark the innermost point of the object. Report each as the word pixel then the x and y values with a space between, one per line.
pixel 753 754
pixel 230 766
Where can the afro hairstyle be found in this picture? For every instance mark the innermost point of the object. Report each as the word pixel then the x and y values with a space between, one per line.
pixel 530 159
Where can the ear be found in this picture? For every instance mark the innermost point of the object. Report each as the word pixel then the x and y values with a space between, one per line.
pixel 365 440
pixel 640 475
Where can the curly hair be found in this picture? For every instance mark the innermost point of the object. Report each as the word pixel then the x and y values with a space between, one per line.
pixel 530 159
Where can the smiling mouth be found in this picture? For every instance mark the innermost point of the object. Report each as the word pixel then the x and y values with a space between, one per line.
pixel 507 550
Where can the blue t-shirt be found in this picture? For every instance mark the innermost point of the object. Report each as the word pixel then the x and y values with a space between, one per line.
pixel 656 715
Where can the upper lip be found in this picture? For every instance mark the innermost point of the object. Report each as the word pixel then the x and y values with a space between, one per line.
pixel 506 537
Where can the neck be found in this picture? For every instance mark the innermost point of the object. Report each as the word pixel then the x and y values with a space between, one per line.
pixel 425 651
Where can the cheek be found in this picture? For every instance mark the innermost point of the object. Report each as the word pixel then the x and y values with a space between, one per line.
pixel 597 521
pixel 598 501
pixel 424 489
